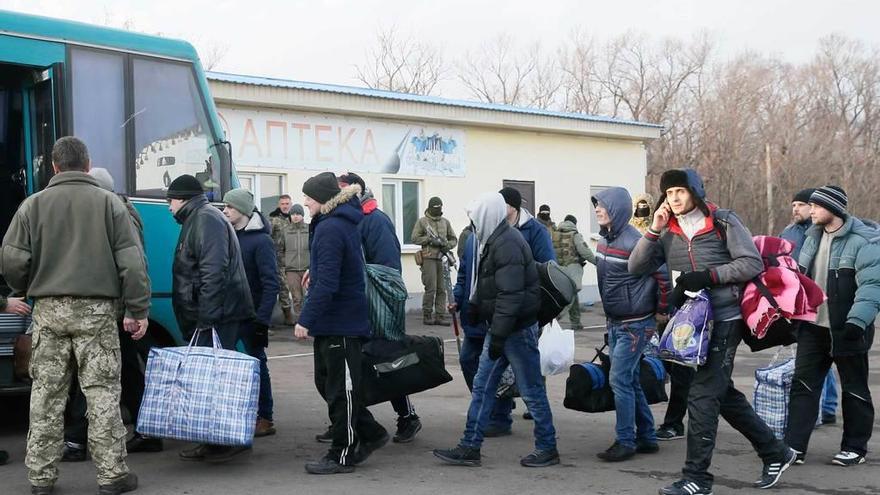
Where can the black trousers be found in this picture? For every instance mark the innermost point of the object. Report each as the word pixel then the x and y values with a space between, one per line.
pixel 402 406
pixel 76 425
pixel 680 378
pixel 713 394
pixel 338 380
pixel 811 365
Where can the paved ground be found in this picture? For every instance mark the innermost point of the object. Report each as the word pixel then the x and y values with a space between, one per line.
pixel 276 464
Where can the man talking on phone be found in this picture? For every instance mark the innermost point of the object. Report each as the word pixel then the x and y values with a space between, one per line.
pixel 713 250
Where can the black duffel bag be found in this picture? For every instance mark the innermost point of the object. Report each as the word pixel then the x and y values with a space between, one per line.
pixel 557 291
pixel 393 369
pixel 587 388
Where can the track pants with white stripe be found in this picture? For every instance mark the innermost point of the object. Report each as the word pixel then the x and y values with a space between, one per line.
pixel 338 380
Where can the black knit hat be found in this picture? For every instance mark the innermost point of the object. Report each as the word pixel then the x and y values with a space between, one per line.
pixel 353 178
pixel 435 204
pixel 184 187
pixel 804 195
pixel 512 197
pixel 571 218
pixel 544 209
pixel 321 187
pixel 832 198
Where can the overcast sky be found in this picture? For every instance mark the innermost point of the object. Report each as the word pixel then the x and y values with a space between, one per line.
pixel 315 40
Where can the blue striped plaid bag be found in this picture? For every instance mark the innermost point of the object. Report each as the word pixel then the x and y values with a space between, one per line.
pixel 200 394
pixel 772 388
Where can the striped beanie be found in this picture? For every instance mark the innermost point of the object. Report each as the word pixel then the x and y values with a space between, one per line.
pixel 832 198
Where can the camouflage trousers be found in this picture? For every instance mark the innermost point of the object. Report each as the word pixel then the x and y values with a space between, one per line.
pixel 283 289
pixel 75 335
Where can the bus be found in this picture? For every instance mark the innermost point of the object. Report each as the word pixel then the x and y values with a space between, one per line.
pixel 141 104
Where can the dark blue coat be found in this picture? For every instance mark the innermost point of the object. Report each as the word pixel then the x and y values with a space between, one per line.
pixel 538 238
pixel 625 296
pixel 796 233
pixel 381 246
pixel 462 290
pixel 336 303
pixel 260 266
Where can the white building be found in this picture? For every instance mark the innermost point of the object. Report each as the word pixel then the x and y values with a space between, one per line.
pixel 409 148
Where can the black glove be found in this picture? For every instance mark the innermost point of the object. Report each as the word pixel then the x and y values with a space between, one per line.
pixel 694 281
pixel 261 335
pixel 852 332
pixel 438 243
pixel 473 315
pixel 677 297
pixel 496 347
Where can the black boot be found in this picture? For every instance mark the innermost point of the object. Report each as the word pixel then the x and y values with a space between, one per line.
pixel 127 484
pixel 140 443
pixel 407 427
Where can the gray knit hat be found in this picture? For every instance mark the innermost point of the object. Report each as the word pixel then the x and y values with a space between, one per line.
pixel 105 180
pixel 240 199
pixel 297 209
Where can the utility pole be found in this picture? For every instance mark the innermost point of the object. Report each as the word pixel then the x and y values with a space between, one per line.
pixel 769 170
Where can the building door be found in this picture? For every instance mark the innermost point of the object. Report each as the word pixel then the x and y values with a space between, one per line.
pixel 526 189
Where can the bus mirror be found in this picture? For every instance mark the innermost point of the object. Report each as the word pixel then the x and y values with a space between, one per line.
pixel 166 161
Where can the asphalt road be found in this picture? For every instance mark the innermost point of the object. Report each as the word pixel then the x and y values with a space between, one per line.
pixel 276 464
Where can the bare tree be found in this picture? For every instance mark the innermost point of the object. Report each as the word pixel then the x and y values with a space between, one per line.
pixel 402 64
pixel 213 54
pixel 582 91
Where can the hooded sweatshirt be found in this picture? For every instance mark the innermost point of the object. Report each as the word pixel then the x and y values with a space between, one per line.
pixel 625 297
pixel 486 214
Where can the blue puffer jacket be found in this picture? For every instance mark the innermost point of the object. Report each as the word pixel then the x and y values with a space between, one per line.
pixel 260 266
pixel 853 281
pixel 462 289
pixel 336 303
pixel 796 233
pixel 537 236
pixel 625 296
pixel 381 246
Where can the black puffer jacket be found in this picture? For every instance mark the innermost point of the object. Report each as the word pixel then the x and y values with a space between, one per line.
pixel 508 293
pixel 209 285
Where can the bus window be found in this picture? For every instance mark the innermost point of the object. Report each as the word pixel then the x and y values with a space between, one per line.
pixel 99 115
pixel 172 137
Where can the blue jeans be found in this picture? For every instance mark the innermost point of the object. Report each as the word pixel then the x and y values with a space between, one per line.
pixel 471 348
pixel 634 418
pixel 829 395
pixel 521 353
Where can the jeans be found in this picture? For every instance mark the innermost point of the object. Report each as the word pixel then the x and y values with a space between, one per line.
pixel 811 366
pixel 713 394
pixel 469 358
pixel 266 402
pixel 521 353
pixel 829 395
pixel 626 341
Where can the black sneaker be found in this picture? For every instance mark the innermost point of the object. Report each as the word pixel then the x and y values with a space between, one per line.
pixel 647 448
pixel 366 448
pixel 127 484
pixel 494 431
pixel 666 433
pixel 800 457
pixel 73 453
pixel 460 456
pixel 686 487
pixel 846 459
pixel 139 443
pixel 773 471
pixel 42 490
pixel 326 437
pixel 540 458
pixel 527 415
pixel 196 453
pixel 829 419
pixel 407 427
pixel 328 466
pixel 617 453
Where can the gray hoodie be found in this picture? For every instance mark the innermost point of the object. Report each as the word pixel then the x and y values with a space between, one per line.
pixel 486 212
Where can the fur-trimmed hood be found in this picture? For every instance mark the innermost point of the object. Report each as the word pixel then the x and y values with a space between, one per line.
pixel 344 196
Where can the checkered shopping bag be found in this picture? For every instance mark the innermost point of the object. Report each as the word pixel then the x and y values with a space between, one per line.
pixel 200 394
pixel 772 388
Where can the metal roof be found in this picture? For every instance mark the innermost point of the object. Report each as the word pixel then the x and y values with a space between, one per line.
pixel 434 100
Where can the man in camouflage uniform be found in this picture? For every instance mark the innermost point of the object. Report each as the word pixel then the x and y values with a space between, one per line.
pixel 572 253
pixel 293 249
pixel 434 233
pixel 76 265
pixel 280 219
pixel 17 306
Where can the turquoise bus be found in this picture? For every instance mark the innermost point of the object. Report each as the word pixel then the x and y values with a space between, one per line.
pixel 142 105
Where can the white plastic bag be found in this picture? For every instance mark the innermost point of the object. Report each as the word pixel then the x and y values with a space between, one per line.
pixel 557 349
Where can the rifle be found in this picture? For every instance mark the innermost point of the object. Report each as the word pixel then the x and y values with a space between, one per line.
pixel 448 261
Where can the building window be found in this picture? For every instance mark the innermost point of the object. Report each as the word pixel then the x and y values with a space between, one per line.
pixel 594 224
pixel 266 188
pixel 401 200
pixel 526 189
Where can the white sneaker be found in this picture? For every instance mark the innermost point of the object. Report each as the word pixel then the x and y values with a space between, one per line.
pixel 846 459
